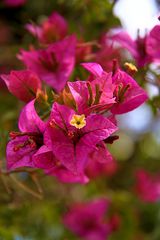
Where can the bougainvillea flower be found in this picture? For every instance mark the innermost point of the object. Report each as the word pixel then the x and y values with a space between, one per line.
pixel 14 3
pixel 152 43
pixel 101 162
pixel 97 169
pixel 80 95
pixel 24 144
pixel 66 176
pixel 83 51
pixel 144 49
pixel 101 153
pixel 147 186
pixel 57 157
pixel 102 91
pixel 52 29
pixel 46 160
pixel 94 68
pixel 96 95
pixel 55 64
pixel 128 94
pixel 101 81
pixel 23 84
pixel 72 143
pixel 87 220
pixel 106 55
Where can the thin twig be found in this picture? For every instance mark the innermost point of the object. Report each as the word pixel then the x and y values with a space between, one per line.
pixel 4 172
pixel 25 188
pixel 37 183
pixel 5 184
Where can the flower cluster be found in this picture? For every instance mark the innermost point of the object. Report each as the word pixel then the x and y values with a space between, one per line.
pixel 147 186
pixel 72 94
pixel 144 50
pixel 14 3
pixel 88 220
pixel 71 142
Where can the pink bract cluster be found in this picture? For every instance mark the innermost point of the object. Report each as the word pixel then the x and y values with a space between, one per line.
pixel 147 186
pixel 71 142
pixel 14 3
pixel 144 50
pixel 50 30
pixel 88 220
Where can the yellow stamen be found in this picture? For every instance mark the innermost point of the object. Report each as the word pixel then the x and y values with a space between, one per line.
pixel 78 121
pixel 131 67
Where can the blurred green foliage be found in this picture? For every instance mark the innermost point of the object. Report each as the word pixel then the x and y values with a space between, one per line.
pixel 24 217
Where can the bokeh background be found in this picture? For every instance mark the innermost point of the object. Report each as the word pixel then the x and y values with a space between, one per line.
pixel 22 215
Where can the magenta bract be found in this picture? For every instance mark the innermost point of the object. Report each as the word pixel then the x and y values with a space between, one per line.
pixel 24 144
pixel 14 3
pixel 87 220
pixel 101 162
pixel 71 146
pixel 95 95
pixel 147 186
pixel 118 89
pixel 129 95
pixel 55 64
pixel 144 49
pixel 53 29
pixel 23 84
pixel 46 160
pixel 152 43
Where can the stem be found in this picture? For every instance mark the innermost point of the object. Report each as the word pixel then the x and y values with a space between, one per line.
pixel 18 171
pixel 35 179
pixel 5 184
pixel 25 188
